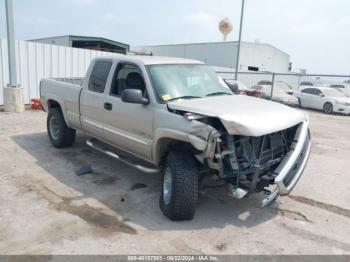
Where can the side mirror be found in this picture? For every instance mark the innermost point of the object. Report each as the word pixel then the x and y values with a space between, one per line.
pixel 321 95
pixel 233 86
pixel 134 96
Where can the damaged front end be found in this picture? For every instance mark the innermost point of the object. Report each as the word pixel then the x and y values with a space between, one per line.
pixel 255 164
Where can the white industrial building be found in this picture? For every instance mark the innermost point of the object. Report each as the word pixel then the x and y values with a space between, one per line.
pixel 253 56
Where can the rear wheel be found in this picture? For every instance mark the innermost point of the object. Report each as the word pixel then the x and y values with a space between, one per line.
pixel 328 108
pixel 179 194
pixel 60 134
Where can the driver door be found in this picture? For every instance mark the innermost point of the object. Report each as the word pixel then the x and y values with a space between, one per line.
pixel 306 97
pixel 317 99
pixel 128 126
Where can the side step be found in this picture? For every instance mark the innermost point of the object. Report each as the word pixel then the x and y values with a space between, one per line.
pixel 103 148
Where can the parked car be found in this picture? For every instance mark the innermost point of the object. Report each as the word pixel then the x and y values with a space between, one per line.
pixel 278 95
pixel 285 87
pixel 240 88
pixel 330 100
pixel 342 88
pixel 177 117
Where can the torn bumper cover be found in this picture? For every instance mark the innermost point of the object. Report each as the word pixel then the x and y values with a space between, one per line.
pixel 290 169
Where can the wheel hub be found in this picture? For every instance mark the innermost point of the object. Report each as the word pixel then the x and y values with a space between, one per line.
pixel 167 186
pixel 54 128
pixel 328 108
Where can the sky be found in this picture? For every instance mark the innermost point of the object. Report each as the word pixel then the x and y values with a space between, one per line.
pixel 315 33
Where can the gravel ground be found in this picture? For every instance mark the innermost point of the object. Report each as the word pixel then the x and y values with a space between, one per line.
pixel 45 208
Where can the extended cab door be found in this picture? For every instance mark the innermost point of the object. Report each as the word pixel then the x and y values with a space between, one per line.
pixel 92 99
pixel 129 126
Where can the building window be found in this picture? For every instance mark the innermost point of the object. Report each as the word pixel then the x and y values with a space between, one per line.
pixel 253 68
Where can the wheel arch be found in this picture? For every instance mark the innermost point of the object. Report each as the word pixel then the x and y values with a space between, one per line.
pixel 179 141
pixel 56 102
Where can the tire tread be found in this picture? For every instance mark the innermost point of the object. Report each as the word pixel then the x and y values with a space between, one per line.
pixel 185 187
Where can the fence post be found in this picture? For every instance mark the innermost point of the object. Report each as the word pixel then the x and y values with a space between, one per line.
pixel 273 83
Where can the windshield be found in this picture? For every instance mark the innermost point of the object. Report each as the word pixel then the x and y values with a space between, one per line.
pixel 337 86
pixel 284 86
pixel 333 93
pixel 186 81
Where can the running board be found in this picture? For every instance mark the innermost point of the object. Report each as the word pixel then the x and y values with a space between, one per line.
pixel 97 145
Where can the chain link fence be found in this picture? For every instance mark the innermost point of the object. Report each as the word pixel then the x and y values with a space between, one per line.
pixel 284 87
pixel 293 81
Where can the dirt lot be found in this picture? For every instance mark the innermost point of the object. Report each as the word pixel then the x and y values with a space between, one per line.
pixel 45 208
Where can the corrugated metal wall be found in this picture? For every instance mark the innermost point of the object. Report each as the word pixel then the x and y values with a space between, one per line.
pixel 37 60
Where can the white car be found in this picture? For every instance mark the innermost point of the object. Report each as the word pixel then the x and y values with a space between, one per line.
pixel 342 88
pixel 330 100
pixel 278 95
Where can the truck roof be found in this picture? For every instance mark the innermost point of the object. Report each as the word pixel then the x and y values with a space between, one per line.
pixel 153 60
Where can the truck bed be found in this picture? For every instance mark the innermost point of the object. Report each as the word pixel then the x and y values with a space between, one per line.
pixel 66 91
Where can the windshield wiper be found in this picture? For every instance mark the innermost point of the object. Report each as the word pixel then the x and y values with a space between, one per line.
pixel 183 97
pixel 218 93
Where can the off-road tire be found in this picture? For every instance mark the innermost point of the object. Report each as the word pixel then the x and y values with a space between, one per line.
pixel 328 108
pixel 184 189
pixel 65 136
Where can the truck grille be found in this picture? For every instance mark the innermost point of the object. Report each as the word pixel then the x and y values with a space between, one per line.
pixel 250 155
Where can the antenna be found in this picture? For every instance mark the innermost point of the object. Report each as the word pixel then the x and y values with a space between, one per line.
pixel 225 27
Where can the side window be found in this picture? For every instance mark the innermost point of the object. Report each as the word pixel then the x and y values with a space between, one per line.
pixel 306 91
pixel 99 75
pixel 127 76
pixel 316 92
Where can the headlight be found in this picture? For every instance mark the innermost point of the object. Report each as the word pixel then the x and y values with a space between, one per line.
pixel 343 103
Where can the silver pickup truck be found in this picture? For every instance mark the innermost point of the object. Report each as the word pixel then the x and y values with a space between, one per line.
pixel 177 117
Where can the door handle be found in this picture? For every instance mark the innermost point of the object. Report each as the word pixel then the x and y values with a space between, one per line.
pixel 108 106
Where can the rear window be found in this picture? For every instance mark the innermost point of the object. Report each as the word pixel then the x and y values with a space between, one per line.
pixel 99 75
pixel 307 91
pixel 265 83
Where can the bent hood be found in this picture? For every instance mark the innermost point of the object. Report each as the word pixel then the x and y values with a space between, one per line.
pixel 243 115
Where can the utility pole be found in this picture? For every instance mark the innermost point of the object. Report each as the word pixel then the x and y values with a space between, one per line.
pixel 239 41
pixel 13 94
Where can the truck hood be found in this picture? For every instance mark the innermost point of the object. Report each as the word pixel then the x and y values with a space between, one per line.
pixel 243 115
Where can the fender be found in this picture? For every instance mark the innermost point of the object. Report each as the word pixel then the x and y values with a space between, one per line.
pixel 165 133
pixel 60 101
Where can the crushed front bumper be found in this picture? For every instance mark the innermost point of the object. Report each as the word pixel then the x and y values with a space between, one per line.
pixel 290 169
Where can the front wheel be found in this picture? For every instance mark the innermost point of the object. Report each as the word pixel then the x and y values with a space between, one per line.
pixel 179 194
pixel 60 134
pixel 328 108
